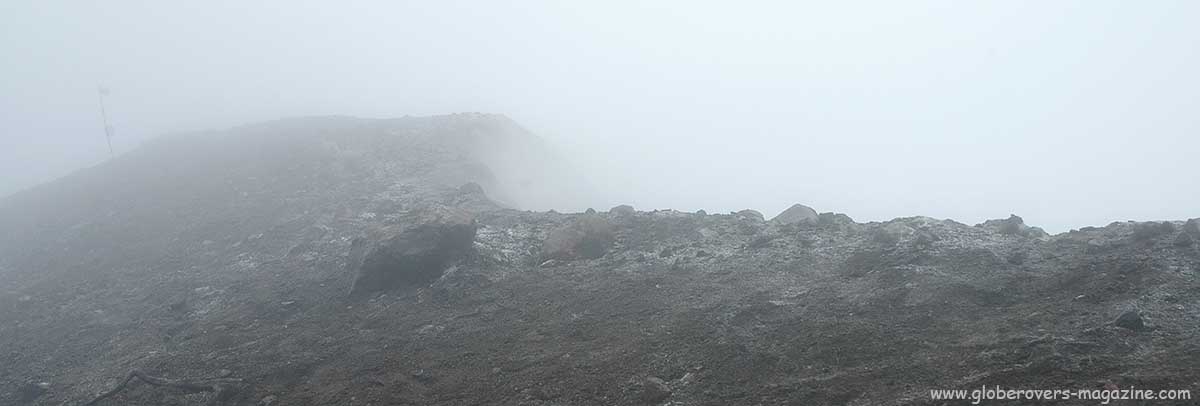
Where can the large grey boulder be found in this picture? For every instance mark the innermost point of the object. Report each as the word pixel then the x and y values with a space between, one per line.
pixel 622 210
pixel 588 237
pixel 415 256
pixel 798 213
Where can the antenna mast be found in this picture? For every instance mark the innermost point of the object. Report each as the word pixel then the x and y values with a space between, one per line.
pixel 104 113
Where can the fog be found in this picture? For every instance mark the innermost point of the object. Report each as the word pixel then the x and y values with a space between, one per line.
pixel 1066 113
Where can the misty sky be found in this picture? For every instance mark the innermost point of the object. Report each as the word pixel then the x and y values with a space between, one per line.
pixel 1069 113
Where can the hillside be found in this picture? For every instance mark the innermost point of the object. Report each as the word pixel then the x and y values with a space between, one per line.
pixel 343 261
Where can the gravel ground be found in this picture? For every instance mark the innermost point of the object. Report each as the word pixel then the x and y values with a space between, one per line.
pixel 232 258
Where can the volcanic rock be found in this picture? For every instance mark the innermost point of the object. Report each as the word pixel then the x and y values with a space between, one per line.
pixel 415 256
pixel 653 390
pixel 1013 225
pixel 796 214
pixel 589 237
pixel 471 188
pixel 1131 319
pixel 1184 240
pixel 1151 230
pixel 297 213
pixel 1192 228
pixel 622 210
pixel 32 390
pixel 749 214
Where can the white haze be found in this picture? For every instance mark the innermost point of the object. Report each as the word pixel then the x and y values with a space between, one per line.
pixel 1069 113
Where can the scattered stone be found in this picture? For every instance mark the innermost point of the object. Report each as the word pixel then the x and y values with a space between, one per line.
pixel 925 239
pixel 834 219
pixel 422 375
pixel 31 391
pixel 654 390
pixel 798 213
pixel 748 214
pixel 1013 225
pixel 1132 320
pixel 471 188
pixel 622 210
pixel 687 378
pixel 589 237
pixel 1192 228
pixel 178 306
pixel 1184 240
pixel 760 241
pixel 890 234
pixel 415 256
pixel 785 322
pixel 1148 231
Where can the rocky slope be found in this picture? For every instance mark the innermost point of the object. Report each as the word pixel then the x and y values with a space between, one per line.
pixel 338 261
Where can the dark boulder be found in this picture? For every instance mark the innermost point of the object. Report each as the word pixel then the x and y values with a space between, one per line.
pixel 415 256
pixel 588 237
pixel 1132 320
pixel 653 390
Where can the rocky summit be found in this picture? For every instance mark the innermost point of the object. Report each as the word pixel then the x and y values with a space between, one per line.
pixel 341 261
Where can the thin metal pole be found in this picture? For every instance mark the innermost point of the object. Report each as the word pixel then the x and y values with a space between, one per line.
pixel 107 127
